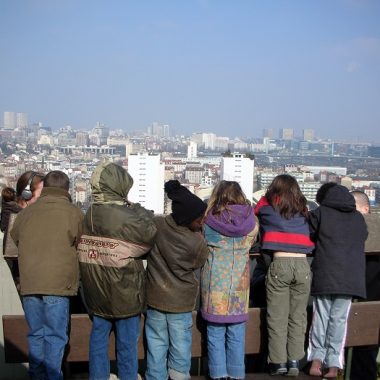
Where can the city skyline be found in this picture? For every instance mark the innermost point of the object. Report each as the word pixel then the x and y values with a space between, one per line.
pixel 229 68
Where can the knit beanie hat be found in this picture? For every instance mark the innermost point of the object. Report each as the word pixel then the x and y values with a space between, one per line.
pixel 186 207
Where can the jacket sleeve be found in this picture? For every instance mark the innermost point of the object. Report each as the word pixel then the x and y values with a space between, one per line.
pixel 79 229
pixel 3 220
pixel 201 253
pixel 314 220
pixel 261 203
pixel 14 232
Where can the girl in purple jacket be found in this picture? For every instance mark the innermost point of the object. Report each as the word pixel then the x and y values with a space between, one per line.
pixel 230 229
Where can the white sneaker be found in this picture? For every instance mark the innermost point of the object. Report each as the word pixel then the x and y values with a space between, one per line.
pixel 114 377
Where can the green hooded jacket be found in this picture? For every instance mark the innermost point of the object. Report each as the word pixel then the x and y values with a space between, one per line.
pixel 115 236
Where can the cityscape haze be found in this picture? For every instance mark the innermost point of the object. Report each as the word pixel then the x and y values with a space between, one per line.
pixel 197 90
pixel 232 68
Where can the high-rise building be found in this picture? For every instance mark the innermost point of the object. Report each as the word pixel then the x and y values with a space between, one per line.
pixel 159 130
pixel 221 143
pixel 308 134
pixel 148 175
pixel 207 140
pixel 240 169
pixel 9 120
pixel 102 132
pixel 166 130
pixel 82 138
pixel 268 132
pixel 21 120
pixel 286 134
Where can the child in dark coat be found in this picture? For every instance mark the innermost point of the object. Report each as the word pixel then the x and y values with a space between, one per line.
pixel 172 285
pixel 339 232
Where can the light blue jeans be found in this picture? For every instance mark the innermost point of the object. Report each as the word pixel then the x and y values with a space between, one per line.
pixel 48 319
pixel 127 335
pixel 226 350
pixel 169 337
pixel 329 329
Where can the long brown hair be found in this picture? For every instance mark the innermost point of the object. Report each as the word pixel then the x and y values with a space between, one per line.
pixel 225 193
pixel 285 196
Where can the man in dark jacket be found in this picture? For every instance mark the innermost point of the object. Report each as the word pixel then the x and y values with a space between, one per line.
pixel 116 234
pixel 339 231
pixel 172 286
pixel 364 363
pixel 46 233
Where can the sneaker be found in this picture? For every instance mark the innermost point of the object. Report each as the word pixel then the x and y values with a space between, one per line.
pixel 277 369
pixel 293 368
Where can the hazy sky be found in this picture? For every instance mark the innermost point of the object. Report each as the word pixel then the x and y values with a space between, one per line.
pixel 229 67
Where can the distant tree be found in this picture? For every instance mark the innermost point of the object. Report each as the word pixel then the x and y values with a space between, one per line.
pixel 250 155
pixel 227 153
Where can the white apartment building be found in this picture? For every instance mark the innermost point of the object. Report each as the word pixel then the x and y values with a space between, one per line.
pixel 339 170
pixel 80 194
pixel 221 143
pixel 240 169
pixel 192 150
pixel 81 138
pixel 8 169
pixel 9 120
pixel 194 174
pixel 207 140
pixel 148 175
pixel 45 140
pixel 21 120
pixel 309 188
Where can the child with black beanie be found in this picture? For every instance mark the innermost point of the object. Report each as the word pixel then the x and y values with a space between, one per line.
pixel 172 286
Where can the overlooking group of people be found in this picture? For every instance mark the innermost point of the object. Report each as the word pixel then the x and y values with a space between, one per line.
pixel 198 250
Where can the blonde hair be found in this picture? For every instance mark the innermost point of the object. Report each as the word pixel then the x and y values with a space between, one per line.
pixel 225 193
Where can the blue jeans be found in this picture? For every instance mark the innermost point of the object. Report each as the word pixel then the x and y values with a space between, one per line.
pixel 169 337
pixel 48 320
pixel 226 349
pixel 127 335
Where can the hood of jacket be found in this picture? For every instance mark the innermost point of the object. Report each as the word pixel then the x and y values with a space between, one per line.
pixel 236 220
pixel 110 183
pixel 339 198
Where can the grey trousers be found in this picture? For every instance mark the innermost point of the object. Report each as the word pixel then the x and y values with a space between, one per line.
pixel 288 287
pixel 328 329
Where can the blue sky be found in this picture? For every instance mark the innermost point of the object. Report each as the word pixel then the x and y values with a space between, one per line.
pixel 228 67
